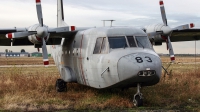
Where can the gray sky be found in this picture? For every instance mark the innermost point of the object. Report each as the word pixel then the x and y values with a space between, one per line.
pixel 139 13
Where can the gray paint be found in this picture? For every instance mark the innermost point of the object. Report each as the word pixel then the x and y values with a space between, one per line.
pixel 77 54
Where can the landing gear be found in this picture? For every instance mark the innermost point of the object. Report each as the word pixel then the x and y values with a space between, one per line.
pixel 61 85
pixel 138 99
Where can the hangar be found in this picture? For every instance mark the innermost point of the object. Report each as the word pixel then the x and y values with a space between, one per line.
pixel 14 54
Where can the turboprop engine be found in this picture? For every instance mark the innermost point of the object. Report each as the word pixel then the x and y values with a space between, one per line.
pixel 35 39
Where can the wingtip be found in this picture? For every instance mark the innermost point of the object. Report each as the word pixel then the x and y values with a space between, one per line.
pixel 72 28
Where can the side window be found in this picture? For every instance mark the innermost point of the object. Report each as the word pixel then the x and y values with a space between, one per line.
pixel 131 41
pixel 100 47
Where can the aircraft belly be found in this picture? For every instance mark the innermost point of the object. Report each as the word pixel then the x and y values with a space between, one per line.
pixel 130 65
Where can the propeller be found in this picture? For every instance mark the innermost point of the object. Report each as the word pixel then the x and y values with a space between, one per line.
pixel 41 32
pixel 166 30
pixel 20 34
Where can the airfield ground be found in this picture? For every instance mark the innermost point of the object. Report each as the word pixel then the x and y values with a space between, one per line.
pixel 32 89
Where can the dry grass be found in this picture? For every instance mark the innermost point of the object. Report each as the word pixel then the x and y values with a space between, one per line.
pixel 179 59
pixel 23 61
pixel 30 89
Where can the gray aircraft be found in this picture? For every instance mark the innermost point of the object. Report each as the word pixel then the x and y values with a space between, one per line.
pixel 104 57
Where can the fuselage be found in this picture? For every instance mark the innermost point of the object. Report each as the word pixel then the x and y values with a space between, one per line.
pixel 108 57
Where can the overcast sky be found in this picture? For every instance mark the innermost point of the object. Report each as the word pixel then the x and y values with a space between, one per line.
pixel 139 13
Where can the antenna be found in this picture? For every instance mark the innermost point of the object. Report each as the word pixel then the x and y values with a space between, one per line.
pixel 111 21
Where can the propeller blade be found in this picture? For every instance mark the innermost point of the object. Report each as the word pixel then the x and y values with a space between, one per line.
pixel 183 27
pixel 20 34
pixel 162 9
pixel 39 12
pixel 171 51
pixel 45 54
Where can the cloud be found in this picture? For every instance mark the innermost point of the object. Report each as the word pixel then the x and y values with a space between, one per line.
pixel 139 13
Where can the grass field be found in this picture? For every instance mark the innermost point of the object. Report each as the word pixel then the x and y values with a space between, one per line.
pixel 33 88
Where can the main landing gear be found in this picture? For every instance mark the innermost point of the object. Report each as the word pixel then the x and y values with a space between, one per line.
pixel 61 85
pixel 138 99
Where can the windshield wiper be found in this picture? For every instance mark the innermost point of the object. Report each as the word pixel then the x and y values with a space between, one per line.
pixel 124 45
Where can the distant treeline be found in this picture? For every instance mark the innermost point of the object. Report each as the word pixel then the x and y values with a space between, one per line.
pixel 192 55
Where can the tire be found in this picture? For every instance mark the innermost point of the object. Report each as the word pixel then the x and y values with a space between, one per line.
pixel 61 85
pixel 139 101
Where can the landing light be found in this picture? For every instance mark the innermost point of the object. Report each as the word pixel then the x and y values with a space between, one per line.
pixel 145 73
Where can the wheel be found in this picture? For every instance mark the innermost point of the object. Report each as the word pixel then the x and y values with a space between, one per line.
pixel 138 101
pixel 61 85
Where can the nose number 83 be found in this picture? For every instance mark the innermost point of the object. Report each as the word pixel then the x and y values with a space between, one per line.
pixel 140 60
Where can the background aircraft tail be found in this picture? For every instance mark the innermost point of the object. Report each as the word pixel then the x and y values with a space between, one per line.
pixel 60 14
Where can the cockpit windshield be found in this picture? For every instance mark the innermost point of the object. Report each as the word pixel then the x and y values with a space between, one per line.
pixel 129 41
pixel 117 42
pixel 143 41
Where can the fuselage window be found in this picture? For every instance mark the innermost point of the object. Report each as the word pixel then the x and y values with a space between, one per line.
pixel 100 46
pixel 131 41
pixel 143 41
pixel 117 42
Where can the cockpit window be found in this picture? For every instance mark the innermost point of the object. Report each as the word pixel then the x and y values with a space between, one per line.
pixel 143 41
pixel 131 41
pixel 103 46
pixel 117 42
pixel 100 47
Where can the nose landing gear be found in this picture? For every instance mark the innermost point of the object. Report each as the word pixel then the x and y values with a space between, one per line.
pixel 138 99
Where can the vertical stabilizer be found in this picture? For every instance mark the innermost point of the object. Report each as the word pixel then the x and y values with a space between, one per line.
pixel 60 14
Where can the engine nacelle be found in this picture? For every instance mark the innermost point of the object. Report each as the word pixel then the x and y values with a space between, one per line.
pixel 33 38
pixel 165 30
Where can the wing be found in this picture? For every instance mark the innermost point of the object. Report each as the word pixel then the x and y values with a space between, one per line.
pixel 55 35
pixel 185 35
pixel 3 40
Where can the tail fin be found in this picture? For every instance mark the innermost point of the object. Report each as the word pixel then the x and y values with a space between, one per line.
pixel 60 14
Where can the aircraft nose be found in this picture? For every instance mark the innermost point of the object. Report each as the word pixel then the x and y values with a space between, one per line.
pixel 138 65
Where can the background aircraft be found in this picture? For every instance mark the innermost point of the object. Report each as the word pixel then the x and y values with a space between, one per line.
pixel 105 57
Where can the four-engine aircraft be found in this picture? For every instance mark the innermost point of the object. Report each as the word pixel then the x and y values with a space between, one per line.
pixel 104 57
